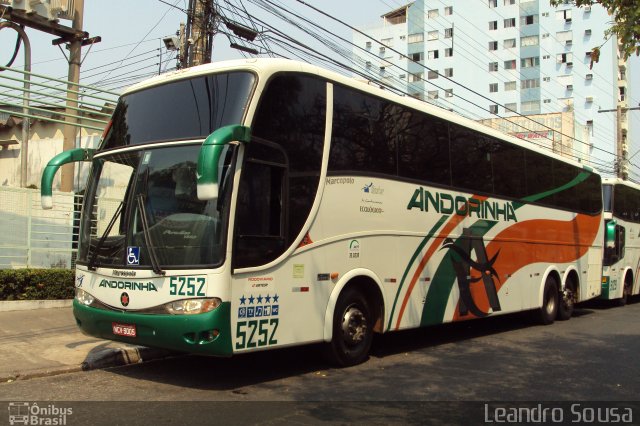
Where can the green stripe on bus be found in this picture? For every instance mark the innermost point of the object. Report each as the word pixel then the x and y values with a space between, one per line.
pixel 410 264
pixel 577 180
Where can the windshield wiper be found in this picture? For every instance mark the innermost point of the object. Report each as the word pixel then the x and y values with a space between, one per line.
pixel 155 265
pixel 94 254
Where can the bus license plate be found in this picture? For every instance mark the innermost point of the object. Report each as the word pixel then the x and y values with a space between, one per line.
pixel 127 330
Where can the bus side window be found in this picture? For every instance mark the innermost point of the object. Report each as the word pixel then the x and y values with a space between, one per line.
pixel 260 209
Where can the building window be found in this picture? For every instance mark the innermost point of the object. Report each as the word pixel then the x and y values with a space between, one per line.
pixel 564 14
pixel 530 106
pixel 433 35
pixel 416 38
pixel 563 58
pixel 565 37
pixel 433 13
pixel 510 65
pixel 413 77
pixel 510 22
pixel 433 94
pixel 448 93
pixel 534 61
pixel 529 41
pixel 448 72
pixel 509 43
pixel 493 66
pixel 368 45
pixel 509 85
pixel 387 42
pixel 493 45
pixel 528 20
pixel 547 101
pixel 448 10
pixel 511 107
pixel 432 74
pixel 493 87
pixel 509 2
pixel 368 64
pixel 448 32
pixel 448 52
pixel 530 83
pixel 493 25
pixel 433 54
pixel 417 95
pixel 493 109
pixel 493 3
pixel 416 57
pixel 546 79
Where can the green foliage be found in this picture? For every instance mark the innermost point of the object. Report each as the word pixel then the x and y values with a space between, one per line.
pixel 36 284
pixel 625 26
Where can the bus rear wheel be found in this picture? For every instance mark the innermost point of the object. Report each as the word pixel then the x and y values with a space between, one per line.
pixel 626 292
pixel 567 302
pixel 352 329
pixel 549 309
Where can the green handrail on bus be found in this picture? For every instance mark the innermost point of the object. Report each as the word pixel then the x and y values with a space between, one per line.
pixel 70 156
pixel 209 157
pixel 610 234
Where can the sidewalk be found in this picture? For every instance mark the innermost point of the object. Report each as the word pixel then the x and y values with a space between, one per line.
pixel 44 342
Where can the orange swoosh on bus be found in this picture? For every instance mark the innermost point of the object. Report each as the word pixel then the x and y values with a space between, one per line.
pixel 437 241
pixel 571 240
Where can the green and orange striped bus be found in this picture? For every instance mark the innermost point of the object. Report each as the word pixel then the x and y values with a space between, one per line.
pixel 257 204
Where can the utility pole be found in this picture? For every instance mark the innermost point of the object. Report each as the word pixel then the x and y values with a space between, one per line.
pixel 200 30
pixel 622 148
pixel 75 51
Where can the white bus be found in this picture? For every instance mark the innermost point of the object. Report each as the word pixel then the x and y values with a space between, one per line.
pixel 621 262
pixel 270 203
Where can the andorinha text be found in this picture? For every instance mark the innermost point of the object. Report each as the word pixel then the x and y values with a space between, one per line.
pixel 128 285
pixel 444 203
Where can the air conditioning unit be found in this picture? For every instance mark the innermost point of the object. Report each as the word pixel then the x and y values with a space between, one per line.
pixel 587 9
pixel 587 32
pixel 569 87
pixel 569 42
pixel 569 64
pixel 588 77
pixel 567 20
pixel 589 99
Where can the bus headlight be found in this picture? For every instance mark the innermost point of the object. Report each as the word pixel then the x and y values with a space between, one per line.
pixel 84 297
pixel 192 306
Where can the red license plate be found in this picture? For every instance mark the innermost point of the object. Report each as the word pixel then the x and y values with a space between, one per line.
pixel 127 330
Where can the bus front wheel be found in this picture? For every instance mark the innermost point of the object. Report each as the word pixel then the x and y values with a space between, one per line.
pixel 549 309
pixel 352 329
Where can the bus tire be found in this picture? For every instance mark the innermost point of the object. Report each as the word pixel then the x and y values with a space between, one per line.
pixel 626 292
pixel 567 302
pixel 352 329
pixel 549 309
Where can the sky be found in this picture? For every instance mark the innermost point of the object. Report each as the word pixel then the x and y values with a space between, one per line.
pixel 132 30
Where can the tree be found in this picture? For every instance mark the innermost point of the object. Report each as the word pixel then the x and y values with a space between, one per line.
pixel 626 24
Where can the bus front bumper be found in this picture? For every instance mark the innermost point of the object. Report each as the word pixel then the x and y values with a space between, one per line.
pixel 208 333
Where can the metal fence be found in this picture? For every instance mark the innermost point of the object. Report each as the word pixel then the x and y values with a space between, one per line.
pixel 36 238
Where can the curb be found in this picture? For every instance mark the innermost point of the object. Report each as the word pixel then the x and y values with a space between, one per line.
pixel 27 305
pixel 124 356
pixel 107 358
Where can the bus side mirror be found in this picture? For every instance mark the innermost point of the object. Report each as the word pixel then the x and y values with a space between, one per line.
pixel 70 156
pixel 209 158
pixel 610 234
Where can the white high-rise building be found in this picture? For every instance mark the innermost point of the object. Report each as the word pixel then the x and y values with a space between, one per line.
pixel 501 58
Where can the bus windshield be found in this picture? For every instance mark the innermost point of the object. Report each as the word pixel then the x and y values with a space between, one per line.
pixel 141 208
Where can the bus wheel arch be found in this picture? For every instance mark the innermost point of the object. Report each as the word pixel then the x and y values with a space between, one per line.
pixel 355 311
pixel 569 295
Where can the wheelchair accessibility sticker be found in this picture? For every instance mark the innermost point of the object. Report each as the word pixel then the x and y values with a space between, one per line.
pixel 133 255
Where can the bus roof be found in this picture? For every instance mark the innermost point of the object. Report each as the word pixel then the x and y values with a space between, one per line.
pixel 269 66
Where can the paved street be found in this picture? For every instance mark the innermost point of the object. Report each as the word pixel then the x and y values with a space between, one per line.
pixel 591 357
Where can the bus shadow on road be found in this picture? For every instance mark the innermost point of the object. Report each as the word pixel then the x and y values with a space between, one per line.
pixel 239 372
